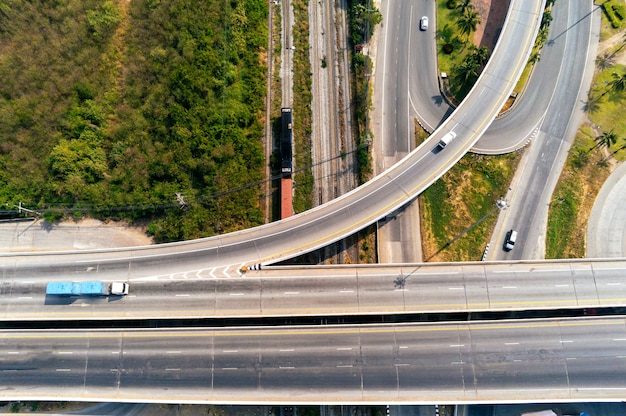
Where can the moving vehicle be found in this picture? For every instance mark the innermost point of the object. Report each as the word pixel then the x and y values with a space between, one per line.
pixel 445 140
pixel 509 241
pixel 87 288
pixel 424 23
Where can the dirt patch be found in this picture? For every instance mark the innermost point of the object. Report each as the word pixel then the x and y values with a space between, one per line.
pixel 492 15
pixel 40 235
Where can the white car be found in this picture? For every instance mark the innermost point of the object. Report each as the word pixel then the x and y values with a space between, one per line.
pixel 424 23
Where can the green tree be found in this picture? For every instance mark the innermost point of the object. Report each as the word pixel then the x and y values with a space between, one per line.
pixel 363 21
pixel 464 6
pixel 618 83
pixel 468 72
pixel 468 22
pixel 604 61
pixel 104 19
pixel 546 19
pixel 606 139
pixel 479 55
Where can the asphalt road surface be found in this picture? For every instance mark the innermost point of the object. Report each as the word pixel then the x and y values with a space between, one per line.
pixel 576 359
pixel 530 195
pixel 335 290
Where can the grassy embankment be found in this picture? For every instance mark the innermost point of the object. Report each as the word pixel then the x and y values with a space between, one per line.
pixel 589 162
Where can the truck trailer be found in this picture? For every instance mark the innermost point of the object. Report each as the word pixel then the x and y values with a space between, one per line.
pixel 87 288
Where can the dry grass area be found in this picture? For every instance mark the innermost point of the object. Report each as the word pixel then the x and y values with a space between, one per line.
pixel 579 184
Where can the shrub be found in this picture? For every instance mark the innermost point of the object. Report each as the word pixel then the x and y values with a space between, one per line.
pixel 608 9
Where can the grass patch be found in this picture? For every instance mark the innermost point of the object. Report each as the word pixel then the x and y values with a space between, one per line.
pixel 302 118
pixel 606 106
pixel 447 34
pixel 584 173
pixel 608 29
pixel 463 196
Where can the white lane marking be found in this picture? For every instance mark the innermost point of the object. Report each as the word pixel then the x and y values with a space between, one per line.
pixel 174 352
pixel 620 356
pixel 224 271
pixel 65 352
pixel 567 341
pixel 63 369
pixel 115 352
pixel 511 343
pixel 401 290
pixel 402 365
pixel 570 358
pixel 181 295
pixel 286 367
pixel 229 351
pixel 457 362
pixel 112 369
pixel 345 366
pixel 236 294
pixel 346 291
pixel 291 293
pixel 403 347
pixel 13 352
pixel 131 296
pixel 344 349
pixel 287 350
pixel 561 285
pixel 513 271
pixel 211 273
pixel 455 288
pixel 25 297
pixel 172 369
pixel 619 339
pixel 27 282
pixel 613 284
pixel 509 287
pixel 456 345
pixel 229 368
pixel 517 361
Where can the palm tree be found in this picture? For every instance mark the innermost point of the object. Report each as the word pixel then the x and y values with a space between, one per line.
pixel 606 139
pixel 464 6
pixel 593 102
pixel 605 60
pixel 618 84
pixel 467 22
pixel 480 55
pixel 468 71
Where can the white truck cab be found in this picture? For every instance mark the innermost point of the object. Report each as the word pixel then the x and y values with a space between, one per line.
pixel 445 140
pixel 119 288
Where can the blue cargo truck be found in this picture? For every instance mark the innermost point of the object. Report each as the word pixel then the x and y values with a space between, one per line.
pixel 87 288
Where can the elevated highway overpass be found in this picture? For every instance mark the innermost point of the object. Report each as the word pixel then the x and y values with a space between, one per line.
pixel 478 362
pixel 334 290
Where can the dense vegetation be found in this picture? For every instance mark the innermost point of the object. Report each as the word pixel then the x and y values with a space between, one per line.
pixel 363 20
pixel 115 107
